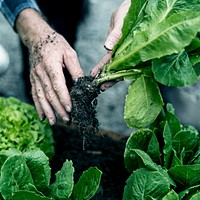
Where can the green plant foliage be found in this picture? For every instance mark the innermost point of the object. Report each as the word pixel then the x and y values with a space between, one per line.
pixel 160 42
pixel 164 160
pixel 26 176
pixel 21 127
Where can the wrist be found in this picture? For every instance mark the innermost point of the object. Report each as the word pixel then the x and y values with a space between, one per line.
pixel 32 27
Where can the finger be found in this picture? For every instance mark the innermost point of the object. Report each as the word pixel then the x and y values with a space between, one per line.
pixel 97 69
pixel 35 99
pixel 58 83
pixel 72 64
pixel 112 39
pixel 52 92
pixel 107 85
pixel 46 107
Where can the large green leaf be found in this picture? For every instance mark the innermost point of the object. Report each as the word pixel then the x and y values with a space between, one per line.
pixel 140 139
pixel 143 103
pixel 185 175
pixel 144 182
pixel 174 70
pixel 38 164
pixel 166 38
pixel 15 176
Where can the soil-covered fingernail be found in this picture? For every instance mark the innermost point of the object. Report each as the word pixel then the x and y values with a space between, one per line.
pixel 68 108
pixel 41 116
pixel 65 119
pixel 52 122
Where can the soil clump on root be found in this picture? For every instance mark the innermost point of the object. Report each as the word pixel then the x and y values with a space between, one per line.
pixel 84 95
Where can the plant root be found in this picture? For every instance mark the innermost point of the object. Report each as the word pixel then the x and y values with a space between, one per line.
pixel 84 95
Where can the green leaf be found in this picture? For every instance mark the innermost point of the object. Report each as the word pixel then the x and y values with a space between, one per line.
pixel 174 70
pixel 186 194
pixel 38 164
pixel 143 103
pixel 144 182
pixel 167 149
pixel 185 139
pixel 139 139
pixel 22 129
pixel 195 196
pixel 171 195
pixel 27 195
pixel 4 154
pixel 159 40
pixel 131 19
pixel 138 159
pixel 153 149
pixel 15 176
pixel 87 185
pixel 63 186
pixel 175 161
pixel 172 119
pixel 185 175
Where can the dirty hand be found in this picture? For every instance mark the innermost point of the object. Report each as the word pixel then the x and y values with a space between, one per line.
pixel 49 54
pixel 114 35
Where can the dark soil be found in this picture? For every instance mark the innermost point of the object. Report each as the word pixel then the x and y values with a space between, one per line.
pixel 84 95
pixel 103 150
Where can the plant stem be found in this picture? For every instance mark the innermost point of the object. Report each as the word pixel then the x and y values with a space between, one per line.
pixel 110 76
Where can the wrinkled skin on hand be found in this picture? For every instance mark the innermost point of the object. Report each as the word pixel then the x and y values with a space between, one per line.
pixel 48 56
pixel 114 35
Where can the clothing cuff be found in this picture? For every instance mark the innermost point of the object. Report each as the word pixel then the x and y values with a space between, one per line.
pixel 11 9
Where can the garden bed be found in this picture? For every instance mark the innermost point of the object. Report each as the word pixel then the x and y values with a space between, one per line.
pixel 104 151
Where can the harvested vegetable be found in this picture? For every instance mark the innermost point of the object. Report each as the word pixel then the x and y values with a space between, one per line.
pixel 160 44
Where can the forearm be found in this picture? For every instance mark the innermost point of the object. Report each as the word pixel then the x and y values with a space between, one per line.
pixel 31 26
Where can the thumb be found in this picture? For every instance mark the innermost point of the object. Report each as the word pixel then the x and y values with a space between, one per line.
pixel 112 39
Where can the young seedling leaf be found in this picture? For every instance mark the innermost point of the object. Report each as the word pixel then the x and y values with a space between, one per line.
pixel 171 195
pixel 167 149
pixel 186 140
pixel 87 185
pixel 63 186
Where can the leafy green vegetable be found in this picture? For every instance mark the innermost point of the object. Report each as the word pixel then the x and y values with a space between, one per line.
pixel 159 45
pixel 80 190
pixel 139 185
pixel 27 176
pixel 172 152
pixel 21 127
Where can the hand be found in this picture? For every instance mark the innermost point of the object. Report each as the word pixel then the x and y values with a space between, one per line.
pixel 49 54
pixel 114 35
pixel 49 90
